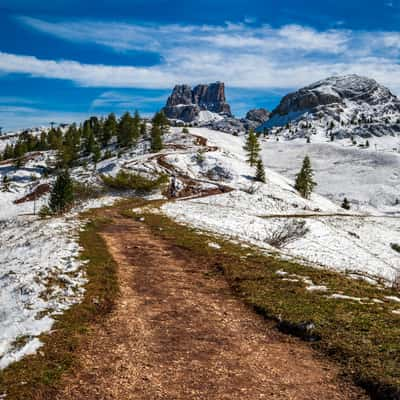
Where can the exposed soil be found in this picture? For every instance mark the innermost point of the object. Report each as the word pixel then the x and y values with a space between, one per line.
pixel 179 333
pixel 38 192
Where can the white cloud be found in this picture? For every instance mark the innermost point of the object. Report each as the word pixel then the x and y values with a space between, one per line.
pixel 20 117
pixel 242 55
pixel 117 100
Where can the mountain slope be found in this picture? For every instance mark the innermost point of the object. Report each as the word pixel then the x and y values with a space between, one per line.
pixel 339 106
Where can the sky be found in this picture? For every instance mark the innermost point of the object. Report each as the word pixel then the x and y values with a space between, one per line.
pixel 63 61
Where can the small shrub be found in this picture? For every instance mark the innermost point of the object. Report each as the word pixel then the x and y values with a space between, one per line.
pixel 45 212
pixel 185 130
pixel 346 204
pixel 129 181
pixel 200 157
pixel 287 233
pixel 84 191
pixel 396 282
pixel 395 247
pixel 252 189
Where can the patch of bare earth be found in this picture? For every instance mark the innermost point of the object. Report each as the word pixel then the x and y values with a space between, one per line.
pixel 177 334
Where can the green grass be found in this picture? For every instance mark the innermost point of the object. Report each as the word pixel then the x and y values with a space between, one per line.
pixel 38 376
pixel 364 339
pixel 129 181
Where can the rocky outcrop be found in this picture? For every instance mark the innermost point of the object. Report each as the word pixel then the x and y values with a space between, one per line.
pixel 185 103
pixel 335 90
pixel 258 115
pixel 339 106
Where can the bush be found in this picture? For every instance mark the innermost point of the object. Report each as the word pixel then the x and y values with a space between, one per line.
pixel 395 247
pixel 84 191
pixel 45 212
pixel 129 181
pixel 287 233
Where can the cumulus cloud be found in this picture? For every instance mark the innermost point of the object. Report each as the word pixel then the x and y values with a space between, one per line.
pixel 243 55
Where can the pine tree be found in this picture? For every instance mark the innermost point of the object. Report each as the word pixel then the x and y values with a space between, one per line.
pixel 96 154
pixel 136 125
pixel 61 196
pixel 126 130
pixel 156 139
pixel 89 144
pixel 110 129
pixel 143 129
pixel 252 148
pixel 304 180
pixel 346 204
pixel 260 172
pixel 162 121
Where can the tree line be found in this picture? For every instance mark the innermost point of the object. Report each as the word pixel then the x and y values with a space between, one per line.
pixel 89 138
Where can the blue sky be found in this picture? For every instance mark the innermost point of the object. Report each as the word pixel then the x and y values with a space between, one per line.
pixel 64 60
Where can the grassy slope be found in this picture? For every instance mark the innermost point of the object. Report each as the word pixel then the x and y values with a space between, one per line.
pixel 37 376
pixel 362 338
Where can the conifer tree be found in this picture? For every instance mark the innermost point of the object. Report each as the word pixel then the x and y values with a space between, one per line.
pixel 61 196
pixel 110 129
pixel 89 144
pixel 304 180
pixel 143 129
pixel 96 154
pixel 96 126
pixel 156 138
pixel 126 130
pixel 162 121
pixel 260 172
pixel 136 126
pixel 252 148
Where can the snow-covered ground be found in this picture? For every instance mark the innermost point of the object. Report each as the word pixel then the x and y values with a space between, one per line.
pixel 253 212
pixel 40 277
pixel 40 272
pixel 369 178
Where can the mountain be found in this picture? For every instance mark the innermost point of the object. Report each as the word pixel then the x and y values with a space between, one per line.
pixel 258 115
pixel 339 106
pixel 200 103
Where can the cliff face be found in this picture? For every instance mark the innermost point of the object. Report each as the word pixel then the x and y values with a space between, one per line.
pixel 186 103
pixel 339 106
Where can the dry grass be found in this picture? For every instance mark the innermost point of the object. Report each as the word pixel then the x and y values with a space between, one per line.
pixel 362 338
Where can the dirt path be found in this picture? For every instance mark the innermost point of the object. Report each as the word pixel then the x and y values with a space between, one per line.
pixel 178 334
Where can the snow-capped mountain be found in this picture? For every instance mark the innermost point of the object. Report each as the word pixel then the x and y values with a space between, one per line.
pixel 339 106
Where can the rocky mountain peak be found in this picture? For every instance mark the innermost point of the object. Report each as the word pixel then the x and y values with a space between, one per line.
pixel 349 104
pixel 186 103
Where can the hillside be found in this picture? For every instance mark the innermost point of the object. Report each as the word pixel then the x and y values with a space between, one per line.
pixel 209 187
pixel 338 107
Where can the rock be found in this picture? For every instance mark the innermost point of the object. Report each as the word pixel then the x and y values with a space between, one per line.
pixel 186 103
pixel 181 95
pixel 258 115
pixel 339 106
